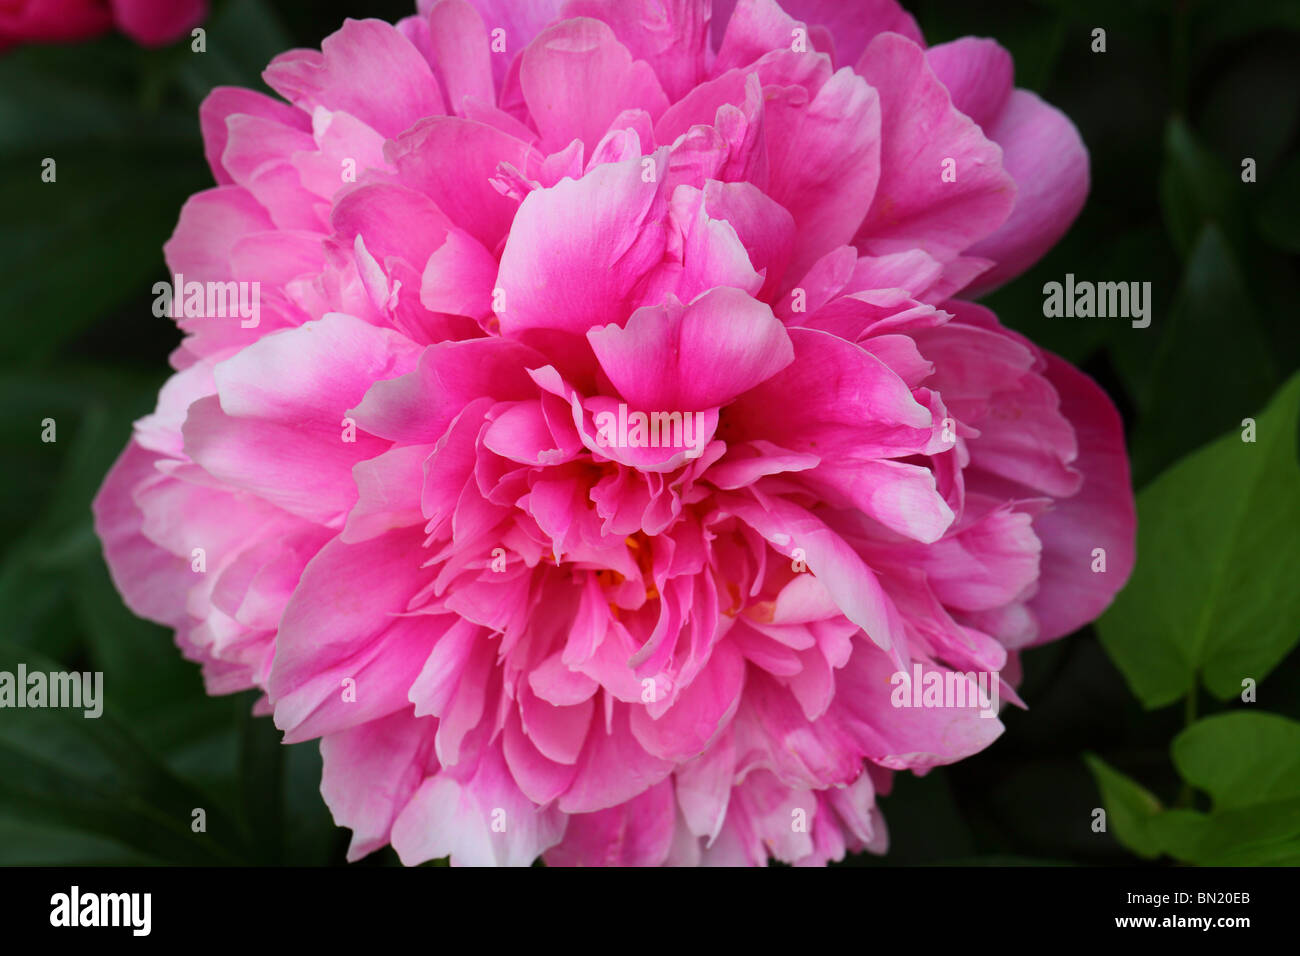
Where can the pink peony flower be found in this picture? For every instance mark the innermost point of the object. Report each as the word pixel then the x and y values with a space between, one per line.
pixel 148 22
pixel 602 448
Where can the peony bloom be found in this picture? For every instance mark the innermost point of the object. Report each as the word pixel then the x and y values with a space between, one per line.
pixel 148 22
pixel 610 431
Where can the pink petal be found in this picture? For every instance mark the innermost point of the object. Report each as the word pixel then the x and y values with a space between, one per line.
pixel 577 251
pixel 672 37
pixel 279 428
pixel 693 357
pixel 1100 515
pixel 224 101
pixel 152 581
pixel 453 817
pixel 576 78
pixel 920 129
pixel 853 23
pixel 834 401
pixel 342 623
pixel 370 772
pixel 699 712
pixel 825 160
pixel 518 23
pixel 451 160
pixel 978 74
pixel 636 833
pixel 613 768
pixel 1043 152
pixel 460 46
pixel 368 69
pixel 388 492
pixel 211 223
pixel 899 738
pixel 258 156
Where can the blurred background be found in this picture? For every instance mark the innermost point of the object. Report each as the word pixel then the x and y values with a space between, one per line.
pixel 1182 94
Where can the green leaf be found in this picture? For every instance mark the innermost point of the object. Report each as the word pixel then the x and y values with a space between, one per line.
pixel 1197 188
pixel 1249 764
pixel 1212 336
pixel 1214 591
pixel 62 769
pixel 1241 758
pixel 1130 808
pixel 1266 834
